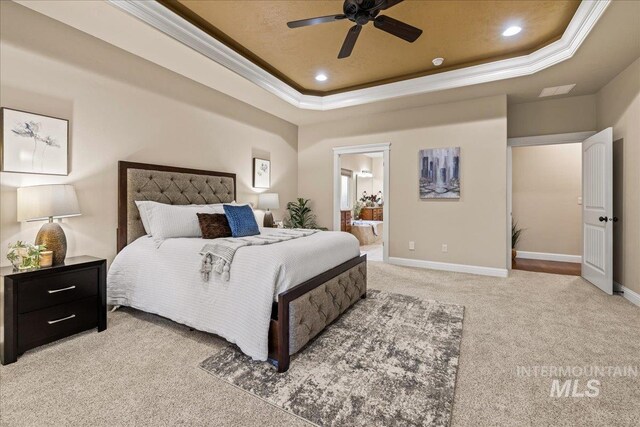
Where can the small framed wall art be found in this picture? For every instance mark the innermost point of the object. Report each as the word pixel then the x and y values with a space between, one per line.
pixel 33 143
pixel 261 173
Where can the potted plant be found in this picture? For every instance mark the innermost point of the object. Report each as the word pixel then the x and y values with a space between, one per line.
pixel 24 256
pixel 516 233
pixel 357 209
pixel 299 215
pixel 371 200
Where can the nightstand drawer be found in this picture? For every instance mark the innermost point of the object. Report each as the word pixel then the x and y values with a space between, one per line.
pixel 57 289
pixel 50 324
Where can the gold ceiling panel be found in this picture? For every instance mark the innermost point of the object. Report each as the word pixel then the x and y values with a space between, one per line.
pixel 464 32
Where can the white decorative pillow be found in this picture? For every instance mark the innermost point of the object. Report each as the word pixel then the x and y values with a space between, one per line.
pixel 166 221
pixel 143 209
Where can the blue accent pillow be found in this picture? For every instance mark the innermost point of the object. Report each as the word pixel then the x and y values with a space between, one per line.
pixel 241 220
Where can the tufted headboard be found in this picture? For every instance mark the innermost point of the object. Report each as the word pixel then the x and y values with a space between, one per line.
pixel 165 184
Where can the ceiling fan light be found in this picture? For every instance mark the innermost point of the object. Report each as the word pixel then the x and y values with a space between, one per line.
pixel 321 77
pixel 511 31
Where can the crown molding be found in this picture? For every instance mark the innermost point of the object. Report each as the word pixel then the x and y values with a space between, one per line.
pixel 179 29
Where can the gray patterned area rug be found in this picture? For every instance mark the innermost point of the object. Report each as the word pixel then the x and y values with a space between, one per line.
pixel 390 360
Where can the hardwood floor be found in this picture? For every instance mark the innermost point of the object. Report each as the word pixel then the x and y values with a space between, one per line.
pixel 540 266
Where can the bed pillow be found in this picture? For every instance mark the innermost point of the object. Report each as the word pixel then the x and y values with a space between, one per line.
pixel 242 221
pixel 147 207
pixel 143 206
pixel 214 226
pixel 170 221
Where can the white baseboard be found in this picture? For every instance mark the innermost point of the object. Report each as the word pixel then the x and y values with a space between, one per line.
pixel 632 296
pixel 549 257
pixel 460 268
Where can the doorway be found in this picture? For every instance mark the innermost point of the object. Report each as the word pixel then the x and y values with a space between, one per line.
pixel 596 194
pixel 547 208
pixel 361 198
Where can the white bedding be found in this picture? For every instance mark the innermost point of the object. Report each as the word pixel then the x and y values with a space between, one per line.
pixel 167 281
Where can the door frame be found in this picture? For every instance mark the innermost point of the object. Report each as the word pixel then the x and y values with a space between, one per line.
pixel 385 149
pixel 528 141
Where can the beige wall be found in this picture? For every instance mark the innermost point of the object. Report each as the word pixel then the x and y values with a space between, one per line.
pixel 547 181
pixel 474 226
pixel 121 107
pixel 551 116
pixel 619 107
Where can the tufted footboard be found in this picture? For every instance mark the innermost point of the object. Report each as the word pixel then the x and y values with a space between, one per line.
pixel 313 311
pixel 305 310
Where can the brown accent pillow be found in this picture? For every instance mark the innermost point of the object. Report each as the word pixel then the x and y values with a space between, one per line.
pixel 214 225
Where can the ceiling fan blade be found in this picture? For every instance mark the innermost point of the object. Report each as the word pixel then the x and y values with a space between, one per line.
pixel 315 21
pixel 349 41
pixel 397 28
pixel 386 4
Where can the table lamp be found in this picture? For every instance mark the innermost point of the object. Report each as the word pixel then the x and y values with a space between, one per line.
pixel 46 202
pixel 268 201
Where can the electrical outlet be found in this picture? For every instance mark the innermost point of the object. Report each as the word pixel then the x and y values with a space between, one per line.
pixel 445 248
pixel 412 246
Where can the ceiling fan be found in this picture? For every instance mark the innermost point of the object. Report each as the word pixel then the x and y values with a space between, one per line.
pixel 361 12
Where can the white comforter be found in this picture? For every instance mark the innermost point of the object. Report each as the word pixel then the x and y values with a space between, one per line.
pixel 167 281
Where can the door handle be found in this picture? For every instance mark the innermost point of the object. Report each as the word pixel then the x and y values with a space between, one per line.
pixel 603 219
pixel 614 219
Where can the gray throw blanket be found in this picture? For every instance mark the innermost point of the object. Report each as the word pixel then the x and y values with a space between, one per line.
pixel 218 255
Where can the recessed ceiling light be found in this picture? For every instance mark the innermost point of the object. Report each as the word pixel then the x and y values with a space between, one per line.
pixel 556 90
pixel 437 61
pixel 511 31
pixel 321 77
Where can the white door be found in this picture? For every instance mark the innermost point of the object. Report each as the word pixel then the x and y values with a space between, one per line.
pixel 509 207
pixel 597 210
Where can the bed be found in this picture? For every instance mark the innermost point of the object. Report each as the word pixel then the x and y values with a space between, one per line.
pixel 279 296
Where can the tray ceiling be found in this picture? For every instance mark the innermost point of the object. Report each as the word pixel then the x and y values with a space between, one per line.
pixel 464 32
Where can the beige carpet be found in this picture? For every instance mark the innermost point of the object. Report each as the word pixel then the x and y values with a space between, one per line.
pixel 144 370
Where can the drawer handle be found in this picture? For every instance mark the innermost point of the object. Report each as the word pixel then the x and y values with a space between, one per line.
pixel 53 291
pixel 51 322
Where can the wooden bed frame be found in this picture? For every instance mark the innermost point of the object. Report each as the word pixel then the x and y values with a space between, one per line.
pixel 279 327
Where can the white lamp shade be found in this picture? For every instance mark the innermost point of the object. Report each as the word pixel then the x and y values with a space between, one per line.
pixel 268 201
pixel 46 201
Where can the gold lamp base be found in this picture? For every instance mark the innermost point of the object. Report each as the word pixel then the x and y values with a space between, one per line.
pixel 52 236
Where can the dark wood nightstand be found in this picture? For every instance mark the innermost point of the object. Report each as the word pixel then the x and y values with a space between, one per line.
pixel 47 304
